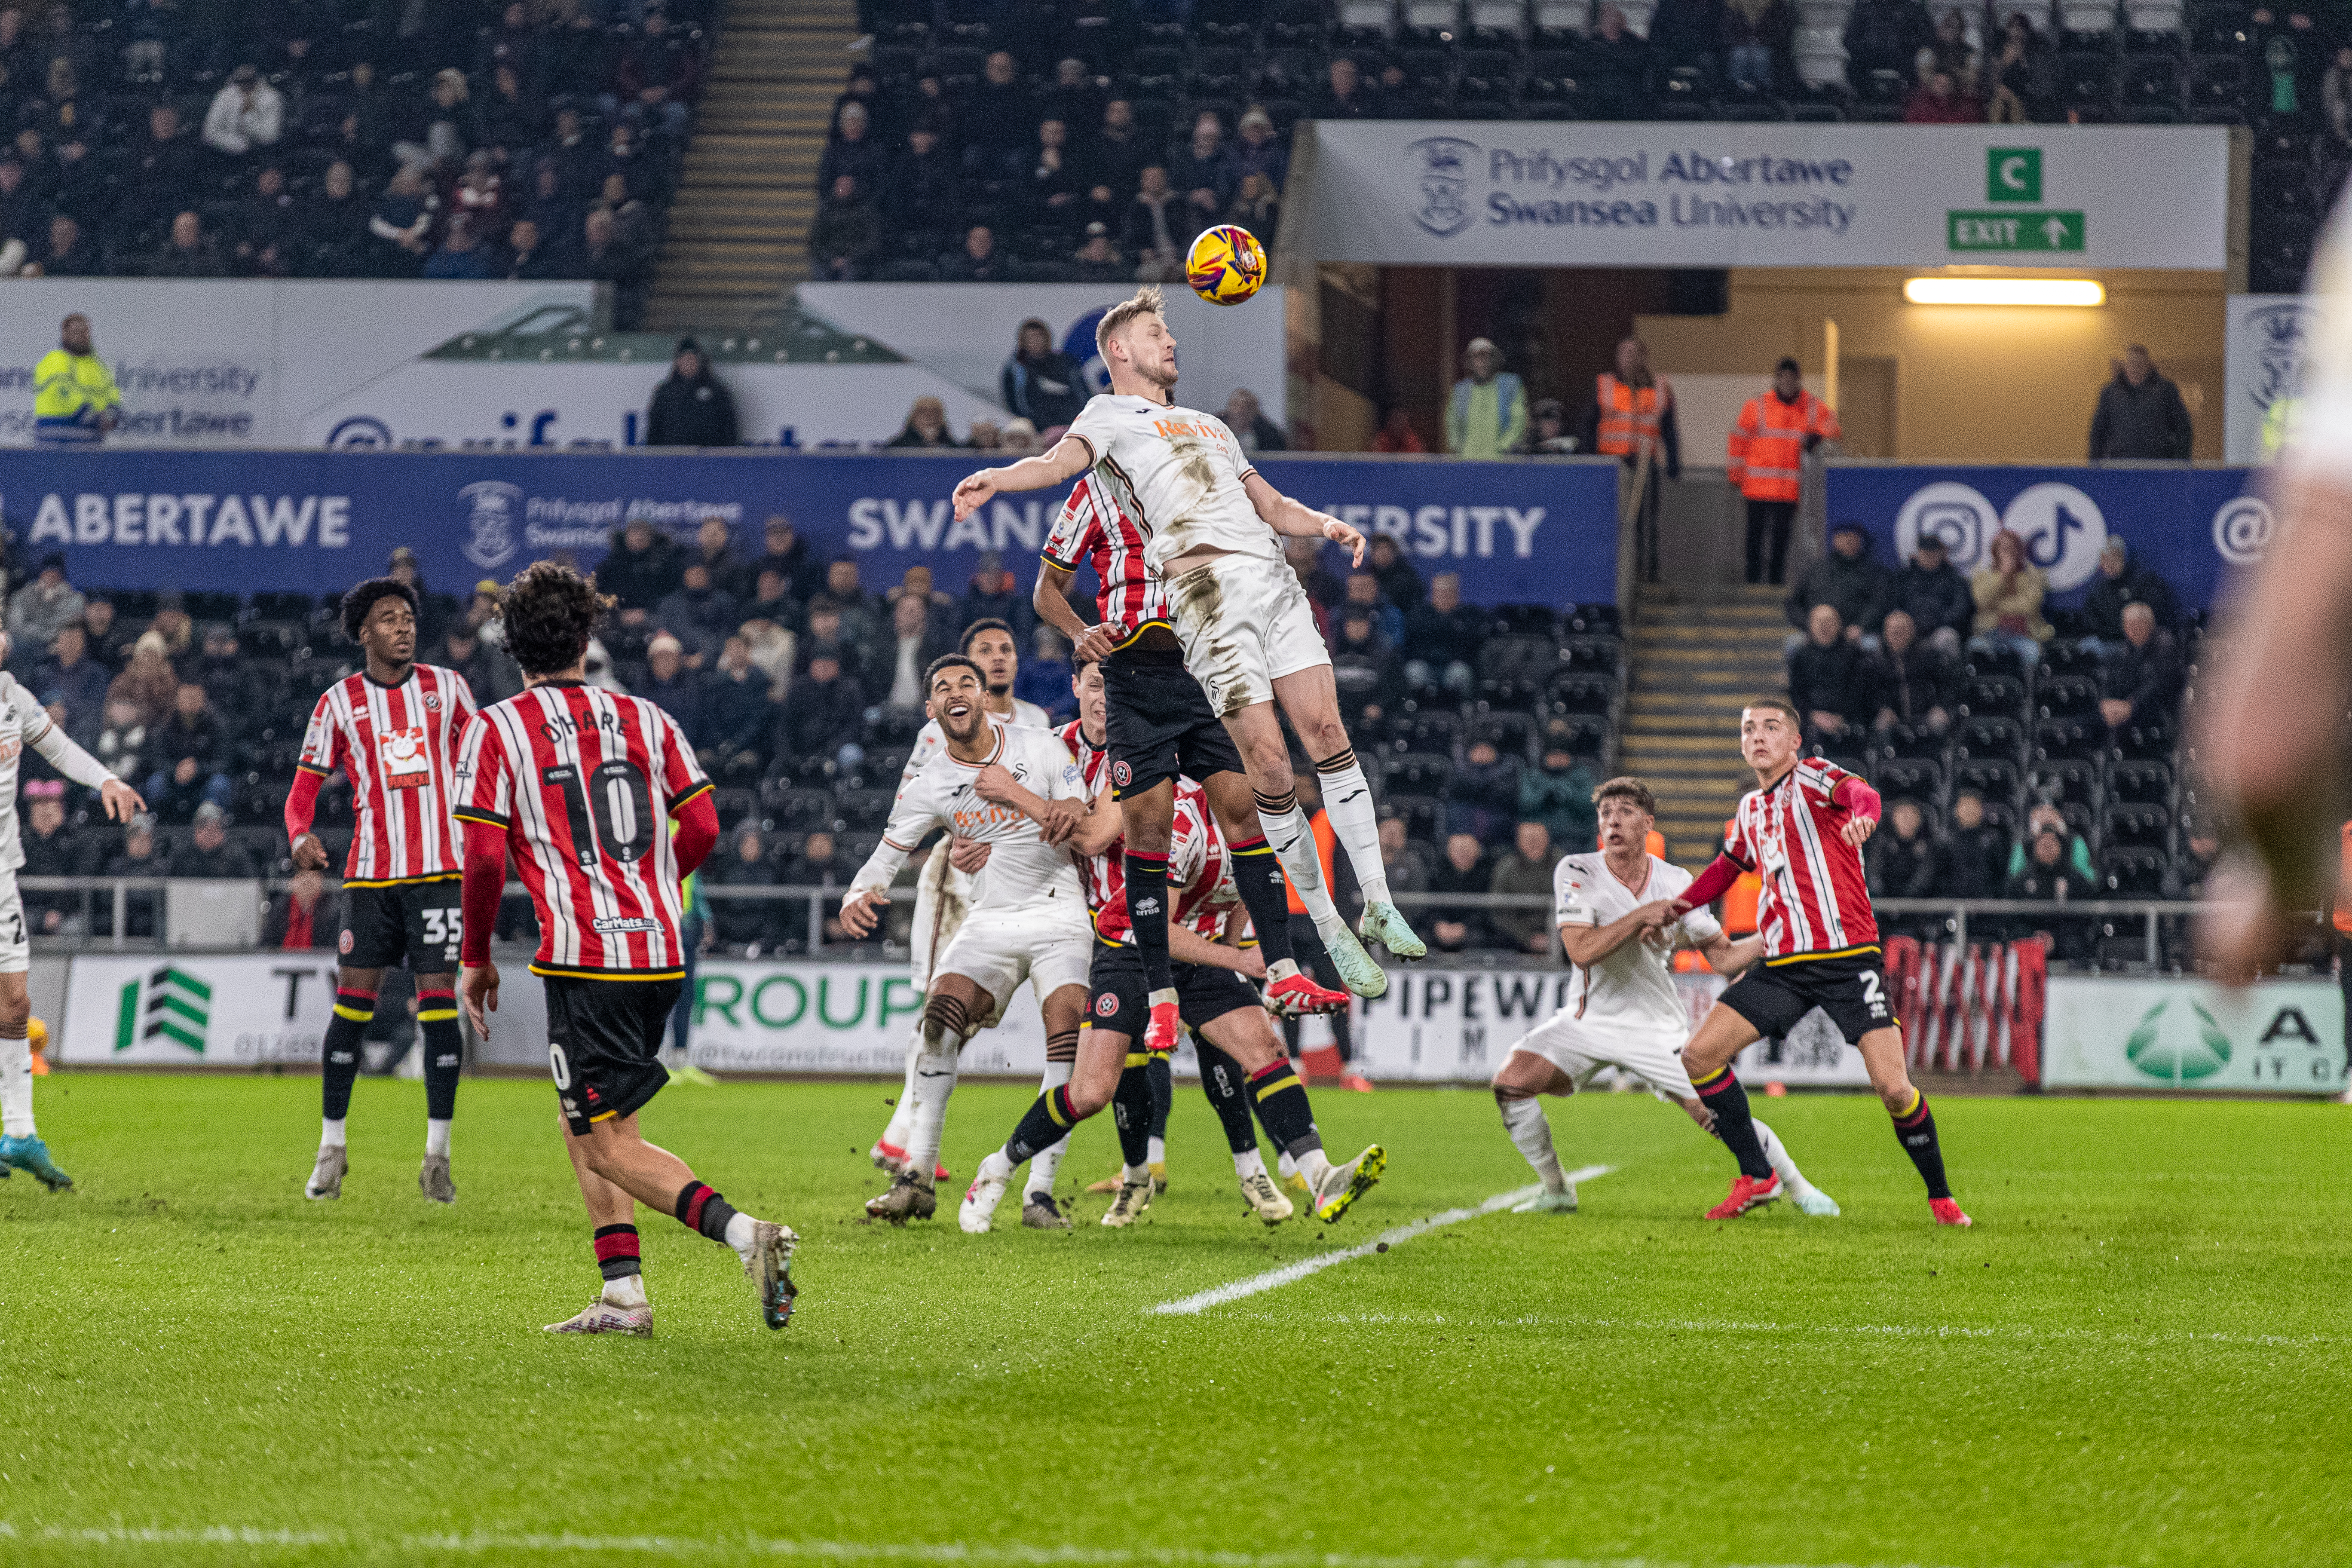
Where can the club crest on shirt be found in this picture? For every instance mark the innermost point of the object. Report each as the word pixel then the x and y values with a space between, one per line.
pixel 1105 1004
pixel 432 702
pixel 1120 774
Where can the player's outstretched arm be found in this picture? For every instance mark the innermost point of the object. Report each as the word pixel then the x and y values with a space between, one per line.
pixel 1298 520
pixel 60 752
pixel 1726 956
pixel 1068 459
pixel 1100 829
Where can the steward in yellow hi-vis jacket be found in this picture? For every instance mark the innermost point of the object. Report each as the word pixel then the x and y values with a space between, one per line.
pixel 74 399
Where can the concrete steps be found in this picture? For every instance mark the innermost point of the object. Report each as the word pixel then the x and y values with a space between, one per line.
pixel 1695 659
pixel 739 229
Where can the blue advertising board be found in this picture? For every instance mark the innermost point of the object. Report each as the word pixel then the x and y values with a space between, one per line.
pixel 2191 525
pixel 1529 531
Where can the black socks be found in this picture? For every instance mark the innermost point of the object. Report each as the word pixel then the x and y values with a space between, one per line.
pixel 1722 1093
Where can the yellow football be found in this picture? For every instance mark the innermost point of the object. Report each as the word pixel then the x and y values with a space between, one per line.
pixel 1227 265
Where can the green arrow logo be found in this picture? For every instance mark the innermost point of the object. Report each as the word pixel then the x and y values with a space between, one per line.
pixel 178 1007
pixel 2178 1061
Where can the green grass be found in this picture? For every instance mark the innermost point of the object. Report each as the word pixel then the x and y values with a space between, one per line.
pixel 2138 1356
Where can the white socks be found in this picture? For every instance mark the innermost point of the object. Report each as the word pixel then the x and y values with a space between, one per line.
pixel 1156 1150
pixel 1315 1166
pixel 1348 802
pixel 902 1115
pixel 628 1290
pixel 1294 846
pixel 1530 1131
pixel 330 1131
pixel 995 1166
pixel 1249 1162
pixel 1285 1166
pixel 437 1138
pixel 738 1234
pixel 934 1080
pixel 17 1089
pixel 1047 1164
pixel 1783 1166
pixel 1135 1173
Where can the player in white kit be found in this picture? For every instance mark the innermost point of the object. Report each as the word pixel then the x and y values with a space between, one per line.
pixel 943 889
pixel 23 722
pixel 1615 911
pixel 1028 916
pixel 1213 530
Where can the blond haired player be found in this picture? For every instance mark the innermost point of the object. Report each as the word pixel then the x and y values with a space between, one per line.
pixel 1614 910
pixel 1213 528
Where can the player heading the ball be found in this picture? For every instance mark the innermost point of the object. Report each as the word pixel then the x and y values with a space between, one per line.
pixel 1212 527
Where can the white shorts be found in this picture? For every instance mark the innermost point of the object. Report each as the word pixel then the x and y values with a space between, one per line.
pixel 1245 623
pixel 996 950
pixel 16 951
pixel 1580 1047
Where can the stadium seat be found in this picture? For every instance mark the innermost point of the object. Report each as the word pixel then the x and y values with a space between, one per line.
pixel 1922 778
pixel 2136 827
pixel 2056 738
pixel 1427 730
pixel 1992 778
pixel 2132 873
pixel 1421 813
pixel 2066 696
pixel 1997 738
pixel 2064 779
pixel 1424 773
pixel 1993 696
pixel 1582 694
pixel 1510 733
pixel 2140 782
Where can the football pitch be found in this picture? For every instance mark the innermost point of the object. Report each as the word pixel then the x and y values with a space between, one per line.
pixel 2138 1356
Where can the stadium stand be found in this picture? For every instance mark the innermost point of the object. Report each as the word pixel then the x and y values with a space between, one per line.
pixel 1037 122
pixel 340 138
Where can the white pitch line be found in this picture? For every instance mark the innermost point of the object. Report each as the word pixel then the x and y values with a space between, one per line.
pixel 948 1554
pixel 1289 1273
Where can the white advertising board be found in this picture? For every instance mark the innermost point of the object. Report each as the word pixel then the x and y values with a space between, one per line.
pixel 1580 193
pixel 2192 1036
pixel 234 1010
pixel 838 1018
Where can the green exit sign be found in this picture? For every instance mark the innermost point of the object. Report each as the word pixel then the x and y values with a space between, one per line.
pixel 2014 175
pixel 2015 231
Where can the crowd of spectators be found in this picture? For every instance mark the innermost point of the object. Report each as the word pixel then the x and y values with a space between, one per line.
pixel 1988 729
pixel 476 139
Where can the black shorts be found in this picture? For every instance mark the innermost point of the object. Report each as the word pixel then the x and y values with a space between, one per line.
pixel 1851 988
pixel 603 1044
pixel 1120 1005
pixel 1158 724
pixel 415 923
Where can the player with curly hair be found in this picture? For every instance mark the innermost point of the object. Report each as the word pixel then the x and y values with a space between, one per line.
pixel 391 729
pixel 579 783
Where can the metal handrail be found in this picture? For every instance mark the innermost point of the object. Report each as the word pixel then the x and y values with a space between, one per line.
pixel 819 895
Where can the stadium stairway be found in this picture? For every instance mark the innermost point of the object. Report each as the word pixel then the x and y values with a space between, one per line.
pixel 1697 656
pixel 739 229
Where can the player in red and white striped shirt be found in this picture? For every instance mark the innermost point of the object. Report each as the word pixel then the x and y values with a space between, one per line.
pixel 393 729
pixel 1215 1000
pixel 580 784
pixel 1802 827
pixel 1159 727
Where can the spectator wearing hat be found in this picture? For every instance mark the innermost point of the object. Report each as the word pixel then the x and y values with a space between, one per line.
pixel 1487 413
pixel 1550 431
pixel 1933 593
pixel 692 407
pixel 1246 418
pixel 1767 451
pixel 1848 580
pixel 670 686
pixel 246 114
pixel 43 607
pixel 207 853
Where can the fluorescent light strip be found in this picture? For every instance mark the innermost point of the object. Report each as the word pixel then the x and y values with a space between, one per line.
pixel 2077 292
